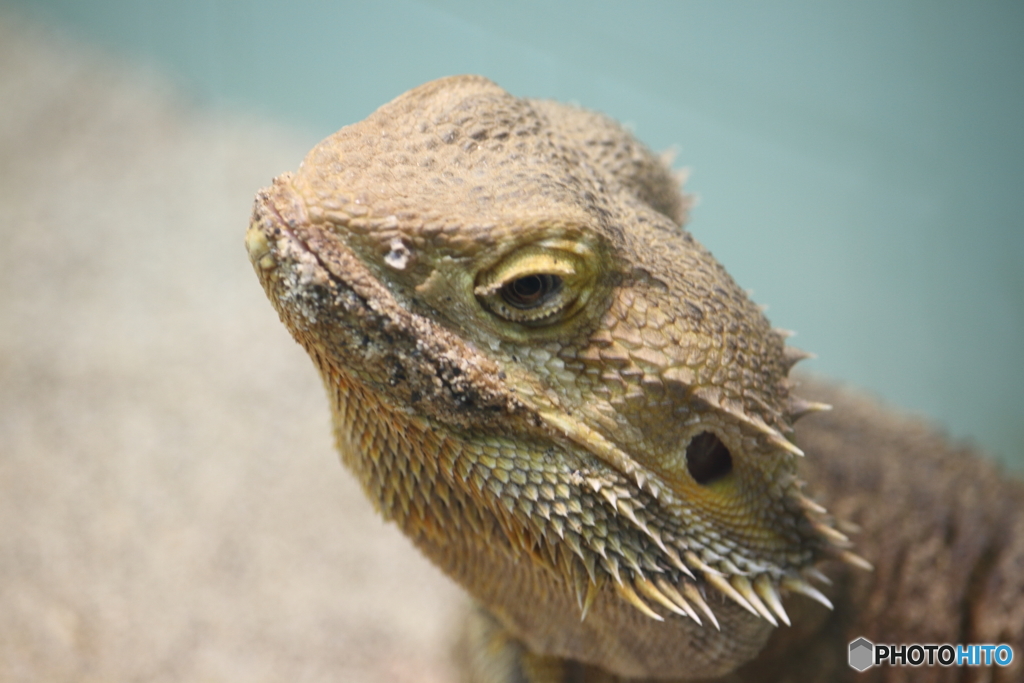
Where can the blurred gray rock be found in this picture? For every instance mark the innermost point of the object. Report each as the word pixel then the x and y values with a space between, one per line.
pixel 171 506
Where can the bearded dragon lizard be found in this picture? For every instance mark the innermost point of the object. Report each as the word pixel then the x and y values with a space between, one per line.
pixel 570 407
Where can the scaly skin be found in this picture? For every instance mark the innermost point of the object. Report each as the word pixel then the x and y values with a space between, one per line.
pixel 557 393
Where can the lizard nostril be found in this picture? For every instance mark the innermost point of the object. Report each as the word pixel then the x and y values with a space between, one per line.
pixel 707 458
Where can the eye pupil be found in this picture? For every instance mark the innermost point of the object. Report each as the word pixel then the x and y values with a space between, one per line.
pixel 528 288
pixel 530 291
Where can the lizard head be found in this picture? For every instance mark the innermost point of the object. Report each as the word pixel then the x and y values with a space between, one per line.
pixel 508 314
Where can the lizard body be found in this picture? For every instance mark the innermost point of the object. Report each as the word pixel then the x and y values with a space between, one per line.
pixel 559 395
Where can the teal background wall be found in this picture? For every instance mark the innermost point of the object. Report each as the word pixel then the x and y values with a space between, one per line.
pixel 860 166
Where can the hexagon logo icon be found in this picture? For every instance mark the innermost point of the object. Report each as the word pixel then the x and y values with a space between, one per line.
pixel 862 654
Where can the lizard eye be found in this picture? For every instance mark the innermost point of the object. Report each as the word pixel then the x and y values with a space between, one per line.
pixel 530 291
pixel 538 285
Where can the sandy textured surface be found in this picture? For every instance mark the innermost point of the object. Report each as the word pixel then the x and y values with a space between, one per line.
pixel 171 505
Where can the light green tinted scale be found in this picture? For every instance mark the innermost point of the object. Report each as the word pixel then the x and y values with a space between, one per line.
pixel 531 491
pixel 547 491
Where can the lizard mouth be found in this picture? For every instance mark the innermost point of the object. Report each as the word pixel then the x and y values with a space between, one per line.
pixel 286 253
pixel 351 324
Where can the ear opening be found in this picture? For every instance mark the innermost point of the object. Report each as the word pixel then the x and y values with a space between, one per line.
pixel 707 458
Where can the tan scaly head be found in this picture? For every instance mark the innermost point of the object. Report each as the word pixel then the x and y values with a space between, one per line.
pixel 549 384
